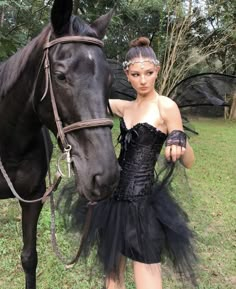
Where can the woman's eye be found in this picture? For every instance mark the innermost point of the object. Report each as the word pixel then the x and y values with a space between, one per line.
pixel 60 76
pixel 135 74
pixel 150 73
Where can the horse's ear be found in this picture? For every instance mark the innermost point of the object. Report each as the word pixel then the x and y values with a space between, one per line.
pixel 100 25
pixel 60 16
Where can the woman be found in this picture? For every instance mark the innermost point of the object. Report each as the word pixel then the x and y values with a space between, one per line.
pixel 141 221
pixel 157 115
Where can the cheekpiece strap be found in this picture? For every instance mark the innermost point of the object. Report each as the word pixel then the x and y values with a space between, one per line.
pixel 176 137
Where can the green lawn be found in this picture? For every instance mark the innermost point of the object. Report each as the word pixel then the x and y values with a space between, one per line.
pixel 210 205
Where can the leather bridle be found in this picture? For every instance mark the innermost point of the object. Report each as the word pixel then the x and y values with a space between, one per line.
pixel 62 131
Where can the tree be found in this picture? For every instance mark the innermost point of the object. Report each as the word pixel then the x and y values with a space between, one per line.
pixel 188 43
pixel 221 17
pixel 131 19
pixel 20 21
pixel 188 37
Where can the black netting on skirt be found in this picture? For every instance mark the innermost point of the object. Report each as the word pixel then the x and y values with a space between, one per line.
pixel 148 229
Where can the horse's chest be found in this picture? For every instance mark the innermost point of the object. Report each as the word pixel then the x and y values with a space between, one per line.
pixel 26 180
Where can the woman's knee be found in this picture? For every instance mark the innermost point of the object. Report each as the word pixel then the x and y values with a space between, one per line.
pixel 147 276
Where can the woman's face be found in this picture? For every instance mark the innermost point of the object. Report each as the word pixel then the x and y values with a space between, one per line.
pixel 142 75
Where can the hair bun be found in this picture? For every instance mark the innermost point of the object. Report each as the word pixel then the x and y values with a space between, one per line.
pixel 141 41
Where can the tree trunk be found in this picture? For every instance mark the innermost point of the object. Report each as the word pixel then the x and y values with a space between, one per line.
pixel 2 15
pixel 76 7
pixel 232 114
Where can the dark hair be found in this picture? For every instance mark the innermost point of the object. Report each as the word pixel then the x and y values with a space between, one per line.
pixel 140 47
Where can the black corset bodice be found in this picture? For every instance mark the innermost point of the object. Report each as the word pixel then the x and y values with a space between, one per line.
pixel 140 147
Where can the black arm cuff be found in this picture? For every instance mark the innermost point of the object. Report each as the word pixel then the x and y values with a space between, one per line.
pixel 176 137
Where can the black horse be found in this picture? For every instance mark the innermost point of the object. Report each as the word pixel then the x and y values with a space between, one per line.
pixel 60 80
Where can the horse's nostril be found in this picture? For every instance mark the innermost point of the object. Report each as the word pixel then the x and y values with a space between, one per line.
pixel 97 180
pixel 96 193
pixel 96 185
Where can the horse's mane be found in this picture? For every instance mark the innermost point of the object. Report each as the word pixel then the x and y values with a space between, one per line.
pixel 11 69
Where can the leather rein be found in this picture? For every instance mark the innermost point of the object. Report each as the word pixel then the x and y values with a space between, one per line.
pixel 61 133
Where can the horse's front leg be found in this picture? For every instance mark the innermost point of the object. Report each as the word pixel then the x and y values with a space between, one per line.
pixel 29 257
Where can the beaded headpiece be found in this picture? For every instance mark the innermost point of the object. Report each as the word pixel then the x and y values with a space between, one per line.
pixel 126 64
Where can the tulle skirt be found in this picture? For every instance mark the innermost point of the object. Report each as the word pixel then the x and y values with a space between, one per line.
pixel 147 229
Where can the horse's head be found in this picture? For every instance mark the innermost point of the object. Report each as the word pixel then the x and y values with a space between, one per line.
pixel 80 80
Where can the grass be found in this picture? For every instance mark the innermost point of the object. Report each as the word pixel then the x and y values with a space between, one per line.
pixel 210 205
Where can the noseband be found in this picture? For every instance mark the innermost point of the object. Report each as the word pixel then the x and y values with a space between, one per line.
pixel 62 131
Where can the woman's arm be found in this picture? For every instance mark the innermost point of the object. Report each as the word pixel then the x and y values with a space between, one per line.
pixel 175 148
pixel 118 106
pixel 187 159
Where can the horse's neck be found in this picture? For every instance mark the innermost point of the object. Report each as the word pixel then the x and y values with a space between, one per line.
pixel 17 77
pixel 20 70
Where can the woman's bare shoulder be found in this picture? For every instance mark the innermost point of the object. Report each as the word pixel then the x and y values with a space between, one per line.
pixel 166 105
pixel 170 113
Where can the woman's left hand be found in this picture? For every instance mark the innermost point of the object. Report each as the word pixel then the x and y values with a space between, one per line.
pixel 174 152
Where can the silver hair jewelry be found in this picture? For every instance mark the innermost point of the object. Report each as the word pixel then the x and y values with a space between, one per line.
pixel 126 64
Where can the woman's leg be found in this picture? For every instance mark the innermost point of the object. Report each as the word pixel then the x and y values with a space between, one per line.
pixel 147 276
pixel 114 283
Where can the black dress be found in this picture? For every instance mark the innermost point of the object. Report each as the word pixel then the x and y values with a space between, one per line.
pixel 140 220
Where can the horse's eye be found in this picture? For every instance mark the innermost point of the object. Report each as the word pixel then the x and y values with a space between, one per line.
pixel 60 75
